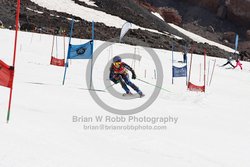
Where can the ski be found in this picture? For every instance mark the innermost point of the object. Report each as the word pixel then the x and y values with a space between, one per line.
pixel 133 95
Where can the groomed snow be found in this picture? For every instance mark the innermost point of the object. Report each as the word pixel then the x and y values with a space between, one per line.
pixel 212 128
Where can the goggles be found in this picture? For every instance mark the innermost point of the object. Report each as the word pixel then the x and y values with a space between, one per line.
pixel 117 64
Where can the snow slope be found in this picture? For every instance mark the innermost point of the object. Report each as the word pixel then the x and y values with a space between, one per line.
pixel 89 2
pixel 212 128
pixel 198 38
pixel 157 15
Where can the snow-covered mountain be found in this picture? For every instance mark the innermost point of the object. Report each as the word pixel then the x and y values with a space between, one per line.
pixel 148 30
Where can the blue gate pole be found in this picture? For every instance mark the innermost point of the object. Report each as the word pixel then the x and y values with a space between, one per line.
pixel 172 62
pixel 66 65
pixel 92 52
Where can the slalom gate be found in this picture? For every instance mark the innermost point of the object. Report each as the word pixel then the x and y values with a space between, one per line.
pixel 82 51
pixel 55 60
pixel 178 72
pixel 190 85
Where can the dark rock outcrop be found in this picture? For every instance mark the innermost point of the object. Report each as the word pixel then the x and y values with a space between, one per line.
pixel 229 36
pixel 233 10
pixel 238 11
pixel 170 15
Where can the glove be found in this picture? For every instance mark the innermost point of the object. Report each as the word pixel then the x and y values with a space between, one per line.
pixel 133 75
pixel 115 81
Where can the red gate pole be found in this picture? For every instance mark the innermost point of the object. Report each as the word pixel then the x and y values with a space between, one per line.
pixel 52 49
pixel 14 56
pixel 205 53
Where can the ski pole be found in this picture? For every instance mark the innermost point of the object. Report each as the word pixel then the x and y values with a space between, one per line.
pixel 109 87
pixel 153 85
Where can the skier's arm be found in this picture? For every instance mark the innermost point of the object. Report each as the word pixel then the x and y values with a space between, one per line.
pixel 131 70
pixel 112 74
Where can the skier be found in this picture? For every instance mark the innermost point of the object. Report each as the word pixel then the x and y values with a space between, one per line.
pixel 238 63
pixel 229 61
pixel 119 73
